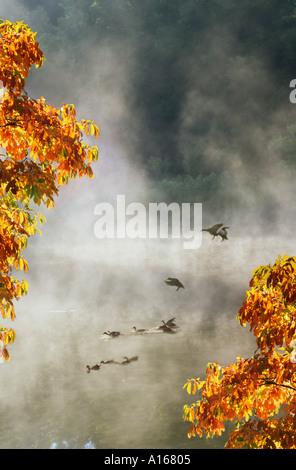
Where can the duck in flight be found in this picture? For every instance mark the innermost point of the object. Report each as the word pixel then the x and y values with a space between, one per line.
pixel 223 233
pixel 217 230
pixel 170 323
pixel 172 281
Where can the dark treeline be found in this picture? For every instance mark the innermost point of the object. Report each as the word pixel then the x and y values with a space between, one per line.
pixel 208 84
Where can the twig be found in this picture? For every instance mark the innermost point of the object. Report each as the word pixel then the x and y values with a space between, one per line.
pixel 270 382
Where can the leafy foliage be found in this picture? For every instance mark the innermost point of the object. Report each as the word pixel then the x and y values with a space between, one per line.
pixel 43 149
pixel 256 387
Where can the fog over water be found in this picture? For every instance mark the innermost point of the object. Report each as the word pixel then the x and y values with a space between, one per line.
pixel 80 286
pixel 115 285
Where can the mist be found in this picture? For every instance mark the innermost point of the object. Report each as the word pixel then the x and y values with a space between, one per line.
pixel 80 286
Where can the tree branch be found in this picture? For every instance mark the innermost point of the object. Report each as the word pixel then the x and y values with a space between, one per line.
pixel 271 382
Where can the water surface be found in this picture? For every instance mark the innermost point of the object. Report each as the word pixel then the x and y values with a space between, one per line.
pixel 48 400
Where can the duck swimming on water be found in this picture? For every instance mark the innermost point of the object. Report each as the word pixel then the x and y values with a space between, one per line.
pixel 140 330
pixel 113 334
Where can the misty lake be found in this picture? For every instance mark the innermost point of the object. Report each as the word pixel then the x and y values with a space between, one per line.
pixel 48 400
pixel 193 107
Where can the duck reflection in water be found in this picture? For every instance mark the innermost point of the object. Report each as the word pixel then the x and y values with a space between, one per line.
pixel 128 360
pixel 165 329
pixel 95 367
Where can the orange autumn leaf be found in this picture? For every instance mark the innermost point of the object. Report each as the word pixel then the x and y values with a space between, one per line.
pixel 43 148
pixel 253 390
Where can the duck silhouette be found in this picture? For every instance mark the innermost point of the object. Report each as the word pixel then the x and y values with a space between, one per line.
pixel 113 334
pixel 213 230
pixel 170 323
pixel 140 330
pixel 172 281
pixel 223 233
pixel 217 230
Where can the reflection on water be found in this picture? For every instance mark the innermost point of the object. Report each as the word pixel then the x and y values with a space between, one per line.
pixel 48 400
pixel 67 445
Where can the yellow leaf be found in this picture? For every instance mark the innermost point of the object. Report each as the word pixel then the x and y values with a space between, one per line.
pixel 25 287
pixel 18 290
pixel 8 310
pixel 25 265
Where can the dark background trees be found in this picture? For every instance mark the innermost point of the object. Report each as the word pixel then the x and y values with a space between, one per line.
pixel 208 82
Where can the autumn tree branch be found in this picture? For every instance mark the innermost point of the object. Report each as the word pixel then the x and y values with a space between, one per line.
pixel 271 382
